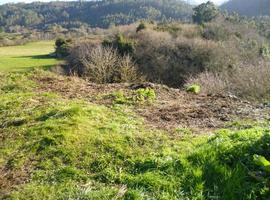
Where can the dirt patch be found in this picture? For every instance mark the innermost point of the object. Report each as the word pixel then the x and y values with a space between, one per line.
pixel 172 109
pixel 201 112
pixel 11 178
pixel 74 87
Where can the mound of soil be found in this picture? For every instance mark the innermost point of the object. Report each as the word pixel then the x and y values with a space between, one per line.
pixel 172 109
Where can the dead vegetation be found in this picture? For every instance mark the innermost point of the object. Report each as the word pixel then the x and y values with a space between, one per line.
pixel 173 108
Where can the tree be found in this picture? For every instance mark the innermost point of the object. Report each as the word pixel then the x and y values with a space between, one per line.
pixel 205 12
pixel 62 47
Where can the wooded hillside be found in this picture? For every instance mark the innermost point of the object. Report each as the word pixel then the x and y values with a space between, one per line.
pixel 95 13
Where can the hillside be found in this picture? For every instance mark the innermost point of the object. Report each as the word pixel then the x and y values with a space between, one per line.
pixel 63 138
pixel 249 8
pixel 94 13
pixel 144 111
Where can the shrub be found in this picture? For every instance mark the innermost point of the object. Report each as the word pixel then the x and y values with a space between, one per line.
pixel 62 47
pixel 141 27
pixel 250 82
pixel 215 32
pixel 163 58
pixel 264 51
pixel 210 83
pixel 102 64
pixel 123 44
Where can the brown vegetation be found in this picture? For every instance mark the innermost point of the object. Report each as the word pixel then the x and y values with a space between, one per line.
pixel 226 55
pixel 173 108
pixel 102 64
pixel 246 81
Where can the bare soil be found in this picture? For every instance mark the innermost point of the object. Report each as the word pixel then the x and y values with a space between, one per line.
pixel 173 108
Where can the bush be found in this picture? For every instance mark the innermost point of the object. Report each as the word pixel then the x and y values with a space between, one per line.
pixel 264 51
pixel 102 64
pixel 250 82
pixel 141 27
pixel 210 83
pixel 123 44
pixel 163 58
pixel 62 47
pixel 215 32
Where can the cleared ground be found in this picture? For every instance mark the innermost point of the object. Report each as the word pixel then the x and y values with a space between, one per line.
pixel 25 57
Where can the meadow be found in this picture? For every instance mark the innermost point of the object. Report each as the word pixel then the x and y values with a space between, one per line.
pixel 28 56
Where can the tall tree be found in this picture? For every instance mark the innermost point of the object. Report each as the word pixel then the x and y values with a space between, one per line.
pixel 205 12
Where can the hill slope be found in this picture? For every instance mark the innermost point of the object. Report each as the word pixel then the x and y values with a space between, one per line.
pixel 248 8
pixel 94 13
pixel 54 147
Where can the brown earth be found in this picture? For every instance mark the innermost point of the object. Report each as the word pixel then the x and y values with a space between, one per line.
pixel 173 108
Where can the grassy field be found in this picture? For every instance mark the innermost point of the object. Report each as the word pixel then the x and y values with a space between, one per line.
pixel 25 57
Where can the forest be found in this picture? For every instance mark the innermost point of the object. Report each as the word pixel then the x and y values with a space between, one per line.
pixel 94 13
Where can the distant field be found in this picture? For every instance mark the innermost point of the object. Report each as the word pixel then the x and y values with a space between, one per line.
pixel 25 57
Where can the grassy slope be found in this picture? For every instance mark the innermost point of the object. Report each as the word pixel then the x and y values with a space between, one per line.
pixel 20 58
pixel 57 148
pixel 52 147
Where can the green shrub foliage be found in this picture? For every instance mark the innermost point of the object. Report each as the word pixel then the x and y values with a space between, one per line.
pixel 123 44
pixel 194 88
pixel 62 47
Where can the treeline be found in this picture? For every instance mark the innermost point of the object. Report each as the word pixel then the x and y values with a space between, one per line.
pixel 249 8
pixel 94 13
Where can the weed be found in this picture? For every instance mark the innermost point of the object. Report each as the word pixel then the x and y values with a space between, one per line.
pixel 144 95
pixel 194 88
pixel 140 96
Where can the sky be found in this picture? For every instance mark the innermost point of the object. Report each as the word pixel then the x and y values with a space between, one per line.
pixel 27 1
pixel 218 2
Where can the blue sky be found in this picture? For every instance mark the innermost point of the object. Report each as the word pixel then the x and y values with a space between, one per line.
pixel 27 1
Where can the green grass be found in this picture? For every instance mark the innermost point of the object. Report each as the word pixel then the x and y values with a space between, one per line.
pixel 72 149
pixel 25 57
